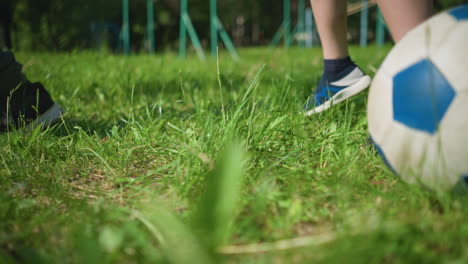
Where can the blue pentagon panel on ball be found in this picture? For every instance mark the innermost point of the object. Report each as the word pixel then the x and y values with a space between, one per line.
pixel 460 13
pixel 421 96
pixel 461 186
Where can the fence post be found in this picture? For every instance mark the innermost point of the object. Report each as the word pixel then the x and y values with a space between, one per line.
pixel 300 22
pixel 285 28
pixel 186 26
pixel 287 22
pixel 183 29
pixel 150 25
pixel 309 28
pixel 217 28
pixel 380 29
pixel 125 27
pixel 213 27
pixel 364 22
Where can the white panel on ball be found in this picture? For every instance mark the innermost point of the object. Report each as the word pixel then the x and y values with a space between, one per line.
pixel 410 150
pixel 418 103
pixel 452 57
pixel 454 134
pixel 380 107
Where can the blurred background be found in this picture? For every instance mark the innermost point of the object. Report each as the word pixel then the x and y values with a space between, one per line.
pixel 57 25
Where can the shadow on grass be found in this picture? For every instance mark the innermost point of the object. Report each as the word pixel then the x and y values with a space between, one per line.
pixel 102 127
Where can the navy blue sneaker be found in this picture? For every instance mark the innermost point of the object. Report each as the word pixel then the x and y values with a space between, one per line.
pixel 336 89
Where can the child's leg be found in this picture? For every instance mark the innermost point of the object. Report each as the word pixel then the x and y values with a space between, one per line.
pixel 341 78
pixel 403 15
pixel 331 17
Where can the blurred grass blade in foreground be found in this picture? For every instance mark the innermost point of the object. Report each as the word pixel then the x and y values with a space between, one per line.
pixel 219 203
pixel 177 241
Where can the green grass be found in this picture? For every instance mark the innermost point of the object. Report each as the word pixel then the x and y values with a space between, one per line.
pixel 169 161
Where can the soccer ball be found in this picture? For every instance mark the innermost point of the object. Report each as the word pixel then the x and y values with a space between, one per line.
pixel 418 103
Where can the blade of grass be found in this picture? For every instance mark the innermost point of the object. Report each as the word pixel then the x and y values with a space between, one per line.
pixel 220 201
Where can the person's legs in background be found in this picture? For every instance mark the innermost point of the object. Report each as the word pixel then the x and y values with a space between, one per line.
pixel 6 22
pixel 331 19
pixel 403 15
pixel 7 34
pixel 22 102
pixel 341 78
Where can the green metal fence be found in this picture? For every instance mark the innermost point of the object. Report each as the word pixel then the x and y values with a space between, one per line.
pixel 302 32
pixel 125 34
pixel 186 26
pixel 217 28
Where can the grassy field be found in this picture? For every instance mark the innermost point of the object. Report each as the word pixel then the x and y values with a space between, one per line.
pixel 159 160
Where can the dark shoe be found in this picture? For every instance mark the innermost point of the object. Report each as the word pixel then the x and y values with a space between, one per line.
pixel 29 105
pixel 336 89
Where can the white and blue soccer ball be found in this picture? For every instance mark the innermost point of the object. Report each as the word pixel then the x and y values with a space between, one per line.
pixel 418 103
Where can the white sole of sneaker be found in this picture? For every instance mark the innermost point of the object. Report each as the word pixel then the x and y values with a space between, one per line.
pixel 342 95
pixel 50 117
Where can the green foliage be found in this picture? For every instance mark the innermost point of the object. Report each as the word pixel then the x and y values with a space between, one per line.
pixel 59 25
pixel 443 4
pixel 66 25
pixel 159 160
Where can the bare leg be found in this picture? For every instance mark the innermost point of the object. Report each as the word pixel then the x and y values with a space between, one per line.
pixel 341 78
pixel 331 16
pixel 403 15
